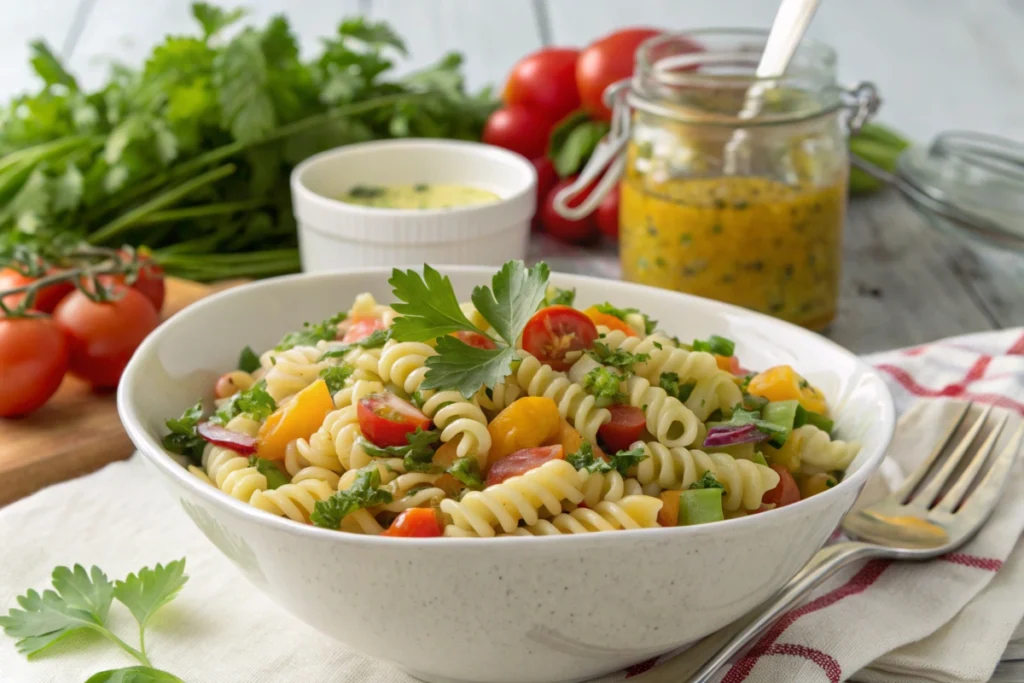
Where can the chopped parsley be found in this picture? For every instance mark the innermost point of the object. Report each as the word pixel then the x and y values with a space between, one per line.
pixel 363 493
pixel 269 469
pixel 556 296
pixel 603 384
pixel 417 455
pixel 741 417
pixel 311 333
pixel 254 401
pixel 623 313
pixel 467 471
pixel 248 361
pixel 708 481
pixel 183 438
pixel 619 358
pixel 622 461
pixel 336 375
pixel 669 381
pixel 720 346
pixel 376 340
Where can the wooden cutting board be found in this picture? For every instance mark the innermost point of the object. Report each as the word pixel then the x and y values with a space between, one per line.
pixel 78 430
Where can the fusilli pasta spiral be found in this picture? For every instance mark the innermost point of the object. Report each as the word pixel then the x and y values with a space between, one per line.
pixel 717 391
pixel 812 450
pixel 495 399
pixel 630 512
pixel 402 364
pixel 456 416
pixel 611 486
pixel 294 501
pixel 228 470
pixel 291 371
pixel 574 404
pixel 671 422
pixel 412 490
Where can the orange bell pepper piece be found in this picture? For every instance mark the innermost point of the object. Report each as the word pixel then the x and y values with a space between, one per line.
pixel 609 321
pixel 297 419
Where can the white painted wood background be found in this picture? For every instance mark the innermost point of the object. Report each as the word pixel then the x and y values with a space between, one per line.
pixel 940 64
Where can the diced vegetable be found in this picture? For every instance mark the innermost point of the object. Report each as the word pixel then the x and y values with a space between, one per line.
pixel 782 414
pixel 782 383
pixel 521 462
pixel 361 328
pixel 567 437
pixel 525 423
pixel 700 506
pixel 806 417
pixel 447 453
pixel 625 427
pixel 668 515
pixel 610 321
pixel 415 523
pixel 813 484
pixel 297 419
pixel 720 346
pixel 759 459
pixel 225 438
pixel 734 435
pixel 730 364
pixel 386 420
pixel 785 493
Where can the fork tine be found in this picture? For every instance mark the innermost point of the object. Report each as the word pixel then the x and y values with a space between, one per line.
pixel 930 492
pixel 956 494
pixel 915 478
pixel 980 503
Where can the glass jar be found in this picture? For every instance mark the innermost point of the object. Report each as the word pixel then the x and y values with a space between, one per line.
pixel 734 187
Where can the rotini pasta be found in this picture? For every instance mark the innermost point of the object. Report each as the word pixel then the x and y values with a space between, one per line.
pixel 630 512
pixel 717 391
pixel 671 422
pixel 456 416
pixel 811 450
pixel 402 363
pixel 289 372
pixel 294 501
pixel 610 486
pixel 574 404
pixel 228 470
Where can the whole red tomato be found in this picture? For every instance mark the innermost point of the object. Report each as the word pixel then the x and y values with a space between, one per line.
pixel 33 360
pixel 103 335
pixel 545 81
pixel 520 130
pixel 606 61
pixel 607 214
pixel 150 281
pixel 579 231
pixel 46 299
pixel 546 179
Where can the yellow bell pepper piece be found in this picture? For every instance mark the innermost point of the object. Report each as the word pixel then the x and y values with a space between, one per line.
pixel 782 383
pixel 609 321
pixel 297 419
pixel 526 422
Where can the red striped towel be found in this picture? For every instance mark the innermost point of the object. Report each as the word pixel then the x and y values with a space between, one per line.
pixel 947 620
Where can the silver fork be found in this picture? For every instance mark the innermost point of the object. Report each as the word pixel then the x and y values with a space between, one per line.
pixel 917 522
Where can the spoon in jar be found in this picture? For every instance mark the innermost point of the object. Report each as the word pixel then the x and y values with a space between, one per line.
pixel 787 31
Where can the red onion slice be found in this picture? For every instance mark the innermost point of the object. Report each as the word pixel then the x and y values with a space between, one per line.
pixel 243 444
pixel 733 436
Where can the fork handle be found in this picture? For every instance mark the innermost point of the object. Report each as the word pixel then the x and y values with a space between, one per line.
pixel 699 663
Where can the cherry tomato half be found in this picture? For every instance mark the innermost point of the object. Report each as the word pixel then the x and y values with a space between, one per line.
pixel 104 335
pixel 625 427
pixel 574 231
pixel 604 62
pixel 522 461
pixel 33 360
pixel 361 328
pixel 415 523
pixel 554 331
pixel 545 81
pixel 46 299
pixel 520 130
pixel 607 214
pixel 547 178
pixel 785 493
pixel 475 339
pixel 386 419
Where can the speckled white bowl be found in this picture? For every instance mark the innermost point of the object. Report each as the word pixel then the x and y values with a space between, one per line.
pixel 511 609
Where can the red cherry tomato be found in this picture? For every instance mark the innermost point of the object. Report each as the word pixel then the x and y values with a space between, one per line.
pixel 785 493
pixel 519 129
pixel 104 335
pixel 547 178
pixel 361 328
pixel 522 461
pixel 386 419
pixel 580 231
pixel 545 81
pixel 607 214
pixel 33 360
pixel 554 331
pixel 150 281
pixel 625 427
pixel 46 299
pixel 415 523
pixel 606 61
pixel 474 339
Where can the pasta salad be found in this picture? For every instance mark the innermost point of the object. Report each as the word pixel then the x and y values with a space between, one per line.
pixel 514 413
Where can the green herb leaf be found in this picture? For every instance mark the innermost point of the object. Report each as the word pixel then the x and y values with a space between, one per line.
pixel 363 493
pixel 619 358
pixel 467 471
pixel 134 674
pixel 254 401
pixel 269 469
pixel 573 141
pixel 429 307
pixel 720 346
pixel 707 481
pixel 466 368
pixel 669 381
pixel 375 340
pixel 311 333
pixel 183 439
pixel 624 460
pixel 81 600
pixel 417 454
pixel 49 67
pixel 149 590
pixel 623 313
pixel 584 459
pixel 559 297
pixel 602 383
pixel 248 360
pixel 516 294
pixel 214 19
pixel 336 375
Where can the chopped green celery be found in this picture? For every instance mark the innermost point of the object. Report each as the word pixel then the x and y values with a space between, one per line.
pixel 782 414
pixel 759 459
pixel 808 417
pixel 700 506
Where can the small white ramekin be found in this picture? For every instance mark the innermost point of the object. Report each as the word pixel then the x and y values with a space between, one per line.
pixel 334 235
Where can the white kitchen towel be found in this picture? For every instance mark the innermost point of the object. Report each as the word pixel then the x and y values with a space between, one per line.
pixel 947 620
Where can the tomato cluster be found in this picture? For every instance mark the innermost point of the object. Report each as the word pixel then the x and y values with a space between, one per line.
pixel 72 329
pixel 543 89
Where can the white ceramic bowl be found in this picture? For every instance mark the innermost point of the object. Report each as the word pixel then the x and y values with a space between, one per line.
pixel 334 235
pixel 506 609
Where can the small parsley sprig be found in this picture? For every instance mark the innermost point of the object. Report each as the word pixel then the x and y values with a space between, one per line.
pixel 269 469
pixel 584 459
pixel 311 333
pixel 416 454
pixel 248 360
pixel 669 381
pixel 254 401
pixel 81 600
pixel 557 296
pixel 365 492
pixel 708 481
pixel 335 376
pixel 183 438
pixel 376 340
pixel 619 358
pixel 430 310
pixel 624 313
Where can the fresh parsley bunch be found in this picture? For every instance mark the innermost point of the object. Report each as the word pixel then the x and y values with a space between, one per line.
pixel 430 310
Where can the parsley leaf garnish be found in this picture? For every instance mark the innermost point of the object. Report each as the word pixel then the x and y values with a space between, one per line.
pixel 720 346
pixel 248 360
pixel 430 307
pixel 183 439
pixel 669 381
pixel 363 493
pixel 254 401
pixel 275 477
pixel 134 674
pixel 311 333
pixel 466 368
pixel 623 313
pixel 603 384
pixel 467 471
pixel 336 375
pixel 619 358
pixel 708 481
pixel 623 460
pixel 584 459
pixel 149 590
pixel 516 292
pixel 556 296
pixel 416 455
pixel 376 340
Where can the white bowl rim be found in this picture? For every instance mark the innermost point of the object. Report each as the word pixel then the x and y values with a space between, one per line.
pixel 153 450
pixel 496 154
